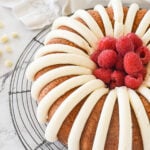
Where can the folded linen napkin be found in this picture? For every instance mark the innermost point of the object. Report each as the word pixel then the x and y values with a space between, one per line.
pixel 36 14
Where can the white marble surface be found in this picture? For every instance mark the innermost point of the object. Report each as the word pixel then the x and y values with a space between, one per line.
pixel 8 136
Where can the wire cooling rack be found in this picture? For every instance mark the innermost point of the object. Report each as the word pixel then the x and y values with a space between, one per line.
pixel 23 107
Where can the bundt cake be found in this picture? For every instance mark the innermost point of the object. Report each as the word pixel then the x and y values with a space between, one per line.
pixel 91 79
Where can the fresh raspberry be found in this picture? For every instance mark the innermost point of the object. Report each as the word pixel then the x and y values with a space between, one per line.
pixel 119 63
pixel 103 74
pixel 95 55
pixel 135 39
pixel 132 63
pixel 117 79
pixel 124 45
pixel 133 82
pixel 107 58
pixel 107 43
pixel 142 72
pixel 144 54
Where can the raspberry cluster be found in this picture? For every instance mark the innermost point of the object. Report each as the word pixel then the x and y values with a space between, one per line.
pixel 121 61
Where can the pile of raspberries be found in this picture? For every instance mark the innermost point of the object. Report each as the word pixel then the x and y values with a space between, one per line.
pixel 121 62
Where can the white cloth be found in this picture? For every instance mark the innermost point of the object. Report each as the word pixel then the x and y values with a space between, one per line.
pixel 36 14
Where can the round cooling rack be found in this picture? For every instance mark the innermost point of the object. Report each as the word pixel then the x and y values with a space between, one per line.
pixel 23 107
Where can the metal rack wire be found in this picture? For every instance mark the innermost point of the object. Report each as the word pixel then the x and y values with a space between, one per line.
pixel 23 108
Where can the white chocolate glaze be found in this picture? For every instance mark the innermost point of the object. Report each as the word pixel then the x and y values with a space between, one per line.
pixel 51 75
pixel 141 117
pixel 145 92
pixel 118 17
pixel 84 31
pixel 58 58
pixel 130 18
pixel 146 37
pixel 106 20
pixel 118 29
pixel 70 36
pixel 57 48
pixel 143 24
pixel 74 136
pixel 125 122
pixel 89 20
pixel 54 94
pixel 70 102
pixel 104 121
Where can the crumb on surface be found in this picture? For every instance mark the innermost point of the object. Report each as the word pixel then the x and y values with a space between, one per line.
pixel 4 38
pixel 15 34
pixel 8 63
pixel 8 49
